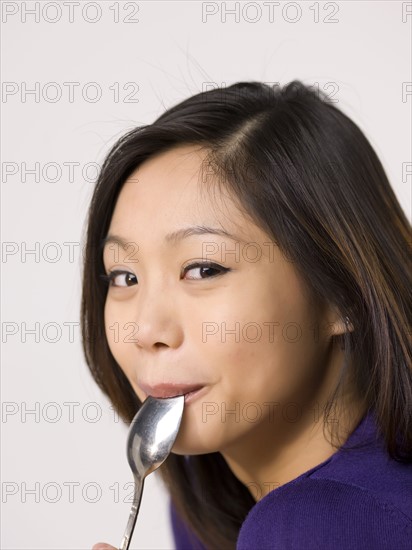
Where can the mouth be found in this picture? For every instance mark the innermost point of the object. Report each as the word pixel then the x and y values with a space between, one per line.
pixel 170 390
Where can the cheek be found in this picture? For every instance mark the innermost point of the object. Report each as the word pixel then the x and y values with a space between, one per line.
pixel 121 349
pixel 265 340
pixel 111 322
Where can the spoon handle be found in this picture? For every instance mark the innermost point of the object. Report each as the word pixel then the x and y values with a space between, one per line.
pixel 137 497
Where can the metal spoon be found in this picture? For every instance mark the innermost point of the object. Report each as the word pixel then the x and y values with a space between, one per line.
pixel 152 434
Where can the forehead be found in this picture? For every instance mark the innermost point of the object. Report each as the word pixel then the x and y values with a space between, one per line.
pixel 174 189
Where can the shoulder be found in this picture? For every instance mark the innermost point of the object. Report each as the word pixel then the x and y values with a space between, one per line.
pixel 314 513
pixel 359 498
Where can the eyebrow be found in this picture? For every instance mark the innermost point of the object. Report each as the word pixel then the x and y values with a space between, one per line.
pixel 178 235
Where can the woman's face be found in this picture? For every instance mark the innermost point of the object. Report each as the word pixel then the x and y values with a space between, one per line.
pixel 224 311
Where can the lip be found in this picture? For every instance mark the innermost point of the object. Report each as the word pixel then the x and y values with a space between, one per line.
pixel 170 389
pixel 191 396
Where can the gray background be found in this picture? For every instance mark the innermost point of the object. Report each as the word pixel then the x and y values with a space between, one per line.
pixel 63 467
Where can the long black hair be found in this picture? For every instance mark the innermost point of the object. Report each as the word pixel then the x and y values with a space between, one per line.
pixel 308 176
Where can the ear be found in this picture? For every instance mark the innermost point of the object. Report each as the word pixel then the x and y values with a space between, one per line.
pixel 336 324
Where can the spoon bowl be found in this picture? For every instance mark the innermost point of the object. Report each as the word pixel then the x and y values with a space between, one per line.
pixel 152 434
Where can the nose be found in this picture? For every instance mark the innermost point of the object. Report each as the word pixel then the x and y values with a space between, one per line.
pixel 158 323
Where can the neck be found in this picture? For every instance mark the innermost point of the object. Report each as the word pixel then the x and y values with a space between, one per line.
pixel 292 439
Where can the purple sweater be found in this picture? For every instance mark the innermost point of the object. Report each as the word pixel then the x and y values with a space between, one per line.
pixel 359 499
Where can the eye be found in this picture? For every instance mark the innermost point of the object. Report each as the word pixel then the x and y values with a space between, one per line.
pixel 120 278
pixel 204 270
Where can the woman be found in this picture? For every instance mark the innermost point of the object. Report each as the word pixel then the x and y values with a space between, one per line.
pixel 247 249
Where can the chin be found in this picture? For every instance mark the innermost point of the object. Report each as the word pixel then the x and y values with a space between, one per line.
pixel 193 441
pixel 192 450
